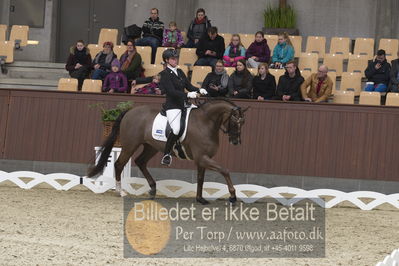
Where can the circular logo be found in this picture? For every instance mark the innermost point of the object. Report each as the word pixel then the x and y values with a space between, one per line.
pixel 147 227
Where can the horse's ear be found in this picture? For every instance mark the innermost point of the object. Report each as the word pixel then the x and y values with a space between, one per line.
pixel 245 109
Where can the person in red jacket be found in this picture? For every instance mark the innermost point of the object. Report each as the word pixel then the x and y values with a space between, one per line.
pixel 258 52
pixel 79 62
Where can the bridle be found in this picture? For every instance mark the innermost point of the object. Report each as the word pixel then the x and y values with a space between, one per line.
pixel 230 120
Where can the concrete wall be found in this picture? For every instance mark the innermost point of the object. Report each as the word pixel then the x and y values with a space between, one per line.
pixel 4 11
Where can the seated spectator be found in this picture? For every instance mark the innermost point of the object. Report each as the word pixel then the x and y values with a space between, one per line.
pixel 115 81
pixel 79 63
pixel 394 80
pixel 320 86
pixel 151 88
pixel 240 82
pixel 102 61
pixel 216 82
pixel 172 37
pixel 258 52
pixel 198 28
pixel 264 84
pixel 377 73
pixel 152 33
pixel 234 52
pixel 210 48
pixel 283 51
pixel 131 62
pixel 288 88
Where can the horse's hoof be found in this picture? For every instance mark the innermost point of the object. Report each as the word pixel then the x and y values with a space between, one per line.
pixel 152 192
pixel 202 201
pixel 123 193
pixel 233 200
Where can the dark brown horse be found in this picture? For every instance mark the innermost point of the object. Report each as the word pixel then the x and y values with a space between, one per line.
pixel 201 141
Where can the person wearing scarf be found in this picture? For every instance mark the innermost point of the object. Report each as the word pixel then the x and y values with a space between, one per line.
pixel 216 82
pixel 234 52
pixel 240 82
pixel 131 62
pixel 198 28
pixel 102 61
pixel 79 63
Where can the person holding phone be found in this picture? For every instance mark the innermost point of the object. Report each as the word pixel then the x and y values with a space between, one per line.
pixel 378 73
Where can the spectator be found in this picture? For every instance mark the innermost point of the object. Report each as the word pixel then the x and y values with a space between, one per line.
pixel 288 88
pixel 152 33
pixel 320 86
pixel 216 82
pixel 172 37
pixel 283 52
pixel 377 73
pixel 240 82
pixel 79 62
pixel 394 81
pixel 210 48
pixel 198 28
pixel 151 88
pixel 131 62
pixel 115 81
pixel 258 52
pixel 234 52
pixel 102 61
pixel 264 84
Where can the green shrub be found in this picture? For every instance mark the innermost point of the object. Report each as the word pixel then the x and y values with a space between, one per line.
pixel 112 114
pixel 279 17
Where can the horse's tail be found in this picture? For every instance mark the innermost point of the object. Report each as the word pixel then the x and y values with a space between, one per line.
pixel 107 147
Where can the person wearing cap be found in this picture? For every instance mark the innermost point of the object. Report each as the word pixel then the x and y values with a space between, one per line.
pixel 173 82
pixel 378 73
pixel 102 61
pixel 115 81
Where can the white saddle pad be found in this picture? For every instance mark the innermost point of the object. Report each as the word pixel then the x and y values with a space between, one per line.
pixel 159 126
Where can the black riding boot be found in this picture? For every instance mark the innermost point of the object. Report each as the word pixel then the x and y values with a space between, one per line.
pixel 167 158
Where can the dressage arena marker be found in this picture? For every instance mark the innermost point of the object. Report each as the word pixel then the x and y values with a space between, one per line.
pixel 106 182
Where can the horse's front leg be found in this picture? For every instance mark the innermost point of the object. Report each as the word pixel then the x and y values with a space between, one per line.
pixel 211 164
pixel 200 185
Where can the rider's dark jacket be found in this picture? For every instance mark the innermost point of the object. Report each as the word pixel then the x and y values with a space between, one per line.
pixel 173 86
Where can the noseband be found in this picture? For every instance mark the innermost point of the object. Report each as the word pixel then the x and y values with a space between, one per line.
pixel 229 122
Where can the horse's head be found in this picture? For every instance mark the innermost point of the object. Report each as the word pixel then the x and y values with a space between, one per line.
pixel 234 122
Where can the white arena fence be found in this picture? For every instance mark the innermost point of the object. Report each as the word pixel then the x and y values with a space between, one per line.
pixel 391 260
pixel 177 188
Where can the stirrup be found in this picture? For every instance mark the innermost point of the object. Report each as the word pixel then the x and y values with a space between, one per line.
pixel 166 159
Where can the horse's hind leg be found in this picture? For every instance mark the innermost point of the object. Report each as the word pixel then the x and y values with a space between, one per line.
pixel 123 158
pixel 141 162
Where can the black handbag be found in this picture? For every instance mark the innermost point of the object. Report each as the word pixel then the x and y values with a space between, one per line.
pixel 131 32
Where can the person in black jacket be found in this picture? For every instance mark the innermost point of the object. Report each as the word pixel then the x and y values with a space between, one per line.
pixel 216 82
pixel 289 84
pixel 210 48
pixel 173 82
pixel 79 62
pixel 152 33
pixel 394 80
pixel 377 73
pixel 264 84
pixel 240 82
pixel 198 28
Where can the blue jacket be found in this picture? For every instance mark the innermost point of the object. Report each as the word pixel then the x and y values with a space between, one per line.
pixel 283 53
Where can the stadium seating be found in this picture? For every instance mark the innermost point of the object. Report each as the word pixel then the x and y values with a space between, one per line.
pixel 390 46
pixel 333 77
pixel 187 57
pixel 3 31
pixel 230 70
pixel 92 85
pixel 392 99
pixel 119 50
pixel 364 46
pixel 334 62
pixel 108 35
pixel 370 98
pixel 247 39
pixel 158 56
pixel 19 32
pixel 184 35
pixel 306 73
pixel 227 38
pixel 297 44
pixel 184 68
pixel 316 44
pixel 253 71
pixel 94 49
pixel 277 73
pixel 351 81
pixel 7 51
pixel 344 97
pixel 271 41
pixel 357 63
pixel 67 84
pixel 145 52
pixel 152 70
pixel 199 74
pixel 340 45
pixel 309 61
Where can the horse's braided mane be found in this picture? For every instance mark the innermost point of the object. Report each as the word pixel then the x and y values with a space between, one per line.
pixel 207 100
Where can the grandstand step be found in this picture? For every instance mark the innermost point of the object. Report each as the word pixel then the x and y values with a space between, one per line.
pixel 35 64
pixel 36 73
pixel 7 83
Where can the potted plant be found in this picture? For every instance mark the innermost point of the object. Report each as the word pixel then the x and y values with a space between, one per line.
pixel 108 117
pixel 280 19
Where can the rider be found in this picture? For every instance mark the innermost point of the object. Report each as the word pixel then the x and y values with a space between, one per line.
pixel 173 82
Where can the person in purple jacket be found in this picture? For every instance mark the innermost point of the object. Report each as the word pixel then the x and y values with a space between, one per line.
pixel 115 81
pixel 258 52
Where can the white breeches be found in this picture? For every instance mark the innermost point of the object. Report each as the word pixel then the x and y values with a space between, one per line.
pixel 174 116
